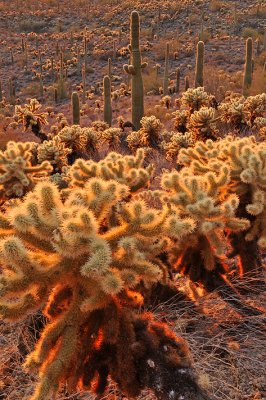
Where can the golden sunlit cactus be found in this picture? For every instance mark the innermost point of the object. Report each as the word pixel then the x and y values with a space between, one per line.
pixel 246 160
pixel 194 99
pixel 93 140
pixel 232 112
pixel 54 151
pixel 202 124
pixel 111 136
pixel 148 135
pixel 181 118
pixel 177 141
pixel 260 123
pixel 29 116
pixel 127 170
pixel 254 107
pixel 74 137
pixel 17 174
pixel 203 198
pixel 81 265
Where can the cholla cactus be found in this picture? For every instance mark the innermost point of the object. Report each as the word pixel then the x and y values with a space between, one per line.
pixel 54 151
pixel 29 116
pixel 194 99
pixel 246 160
pixel 254 107
pixel 166 101
pixel 232 112
pixel 111 136
pixel 148 135
pixel 99 126
pixel 202 198
pixel 74 137
pixel 177 141
pixel 67 260
pixel 93 139
pixel 17 174
pixel 203 124
pixel 181 118
pixel 262 133
pixel 260 123
pixel 127 170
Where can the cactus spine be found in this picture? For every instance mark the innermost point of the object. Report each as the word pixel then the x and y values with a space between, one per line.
pixel 75 108
pixel 107 108
pixel 135 70
pixel 248 66
pixel 199 64
pixel 166 71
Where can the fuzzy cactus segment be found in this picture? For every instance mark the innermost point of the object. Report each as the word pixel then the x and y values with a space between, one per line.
pixel 17 174
pixel 73 255
pixel 246 160
pixel 127 170
pixel 202 199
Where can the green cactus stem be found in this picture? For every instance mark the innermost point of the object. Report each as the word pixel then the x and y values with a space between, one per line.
pixel 248 66
pixel 135 70
pixel 75 108
pixel 166 71
pixel 107 108
pixel 199 65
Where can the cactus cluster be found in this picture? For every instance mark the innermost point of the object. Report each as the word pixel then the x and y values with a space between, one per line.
pixel 81 259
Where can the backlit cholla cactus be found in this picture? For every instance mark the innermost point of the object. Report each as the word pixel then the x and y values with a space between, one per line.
pixel 148 135
pixel 205 201
pixel 181 119
pixel 177 141
pixel 111 136
pixel 127 170
pixel 254 107
pixel 232 112
pixel 260 123
pixel 99 126
pixel 202 124
pixel 30 117
pixel 93 140
pixel 54 151
pixel 246 160
pixel 194 99
pixel 81 265
pixel 17 174
pixel 74 137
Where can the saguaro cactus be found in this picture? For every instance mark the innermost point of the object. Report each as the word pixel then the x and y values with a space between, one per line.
pixel 135 70
pixel 248 66
pixel 186 83
pixel 107 108
pixel 84 84
pixel 110 68
pixel 177 84
pixel 75 108
pixel 166 71
pixel 199 64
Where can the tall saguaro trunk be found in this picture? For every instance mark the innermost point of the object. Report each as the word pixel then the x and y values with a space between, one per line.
pixel 199 65
pixel 135 70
